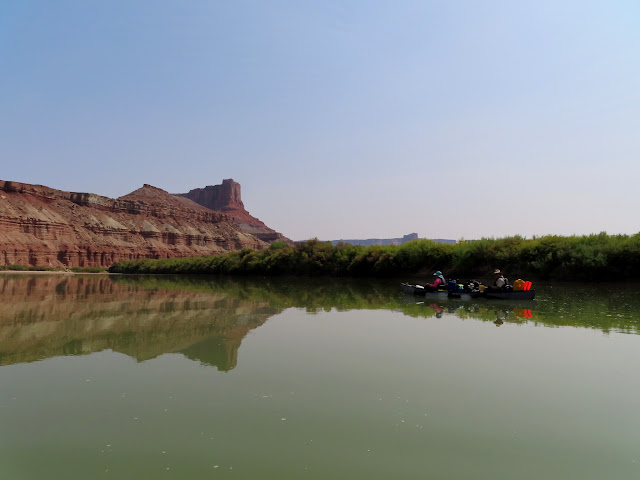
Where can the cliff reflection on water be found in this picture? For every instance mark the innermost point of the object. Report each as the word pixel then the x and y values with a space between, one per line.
pixel 50 315
pixel 205 318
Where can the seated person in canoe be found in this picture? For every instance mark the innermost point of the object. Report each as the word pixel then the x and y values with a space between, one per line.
pixel 500 282
pixel 439 282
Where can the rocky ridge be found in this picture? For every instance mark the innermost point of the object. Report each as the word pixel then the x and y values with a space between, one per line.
pixel 227 198
pixel 42 226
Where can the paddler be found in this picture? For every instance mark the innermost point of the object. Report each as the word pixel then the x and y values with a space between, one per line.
pixel 499 280
pixel 438 282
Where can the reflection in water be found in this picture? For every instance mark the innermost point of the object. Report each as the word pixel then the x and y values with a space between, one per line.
pixel 483 310
pixel 612 308
pixel 206 318
pixel 52 315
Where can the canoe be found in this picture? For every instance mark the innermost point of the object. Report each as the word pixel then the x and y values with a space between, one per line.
pixel 528 295
pixel 418 289
pixel 414 289
pixel 421 291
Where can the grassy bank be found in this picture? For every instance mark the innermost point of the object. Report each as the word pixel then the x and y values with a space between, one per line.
pixel 25 268
pixel 590 257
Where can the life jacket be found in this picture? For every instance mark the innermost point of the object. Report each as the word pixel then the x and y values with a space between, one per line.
pixel 506 282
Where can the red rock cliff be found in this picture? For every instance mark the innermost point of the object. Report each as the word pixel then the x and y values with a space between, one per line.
pixel 226 198
pixel 218 197
pixel 43 226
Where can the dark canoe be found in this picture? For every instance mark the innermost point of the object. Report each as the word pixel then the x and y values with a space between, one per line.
pixel 419 290
pixel 412 289
pixel 528 295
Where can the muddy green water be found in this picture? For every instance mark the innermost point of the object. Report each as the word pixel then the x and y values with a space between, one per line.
pixel 198 378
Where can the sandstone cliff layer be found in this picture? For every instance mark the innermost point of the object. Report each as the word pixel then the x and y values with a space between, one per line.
pixel 41 226
pixel 227 198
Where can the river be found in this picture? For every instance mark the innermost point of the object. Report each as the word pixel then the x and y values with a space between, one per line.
pixel 118 377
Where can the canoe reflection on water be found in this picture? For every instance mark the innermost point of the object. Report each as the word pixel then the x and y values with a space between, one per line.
pixel 509 314
pixel 425 291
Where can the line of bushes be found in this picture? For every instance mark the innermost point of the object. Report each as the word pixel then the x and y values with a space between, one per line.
pixel 32 268
pixel 88 269
pixel 588 257
pixel 26 268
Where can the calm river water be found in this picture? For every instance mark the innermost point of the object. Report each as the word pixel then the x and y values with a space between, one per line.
pixel 197 378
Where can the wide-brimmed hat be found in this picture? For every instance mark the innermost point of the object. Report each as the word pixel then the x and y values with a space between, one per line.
pixel 497 271
pixel 438 273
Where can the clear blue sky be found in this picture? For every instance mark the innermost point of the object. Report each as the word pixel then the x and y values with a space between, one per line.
pixel 450 118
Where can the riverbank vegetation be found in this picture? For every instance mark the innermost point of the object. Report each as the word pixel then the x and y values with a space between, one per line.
pixel 589 258
pixel 23 268
pixel 37 268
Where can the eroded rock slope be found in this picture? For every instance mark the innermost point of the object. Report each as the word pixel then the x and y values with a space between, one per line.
pixel 41 226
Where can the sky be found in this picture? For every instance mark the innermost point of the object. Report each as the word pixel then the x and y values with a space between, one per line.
pixel 340 119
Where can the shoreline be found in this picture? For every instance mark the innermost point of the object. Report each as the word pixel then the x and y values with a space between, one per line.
pixel 52 272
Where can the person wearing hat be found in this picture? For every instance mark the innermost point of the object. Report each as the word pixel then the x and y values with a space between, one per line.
pixel 439 281
pixel 499 281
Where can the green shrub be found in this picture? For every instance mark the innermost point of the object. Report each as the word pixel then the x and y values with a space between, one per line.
pixel 88 269
pixel 278 245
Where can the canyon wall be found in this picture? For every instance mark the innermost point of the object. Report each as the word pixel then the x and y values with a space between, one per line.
pixel 226 198
pixel 41 226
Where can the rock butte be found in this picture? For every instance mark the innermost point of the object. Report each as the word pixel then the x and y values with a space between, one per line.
pixel 41 226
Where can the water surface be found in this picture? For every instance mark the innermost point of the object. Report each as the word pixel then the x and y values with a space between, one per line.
pixel 194 378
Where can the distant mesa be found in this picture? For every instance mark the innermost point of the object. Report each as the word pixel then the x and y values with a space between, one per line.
pixel 226 198
pixel 388 241
pixel 42 226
